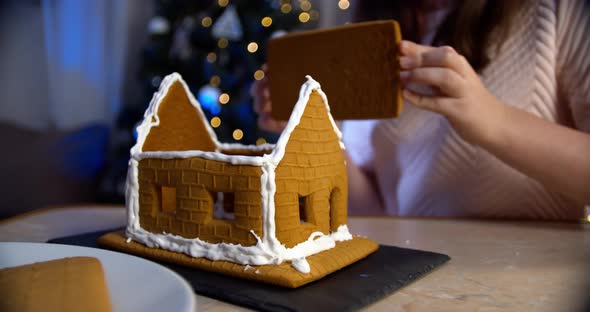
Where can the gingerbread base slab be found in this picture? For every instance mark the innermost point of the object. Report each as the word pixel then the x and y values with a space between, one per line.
pixel 321 264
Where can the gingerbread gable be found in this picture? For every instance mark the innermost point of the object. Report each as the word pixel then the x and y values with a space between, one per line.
pixel 174 121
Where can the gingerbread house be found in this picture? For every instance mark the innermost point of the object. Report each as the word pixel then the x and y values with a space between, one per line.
pixel 233 206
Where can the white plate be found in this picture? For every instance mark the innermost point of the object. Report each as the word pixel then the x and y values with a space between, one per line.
pixel 135 284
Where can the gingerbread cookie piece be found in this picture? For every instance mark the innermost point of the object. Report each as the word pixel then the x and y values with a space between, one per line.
pixel 357 64
pixel 70 284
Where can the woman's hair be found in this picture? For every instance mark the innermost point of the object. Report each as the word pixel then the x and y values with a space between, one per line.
pixel 474 28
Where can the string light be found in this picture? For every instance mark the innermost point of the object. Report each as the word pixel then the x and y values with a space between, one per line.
pixel 260 141
pixel 222 3
pixel 224 98
pixel 343 4
pixel 238 134
pixel 206 21
pixel 258 75
pixel 215 81
pixel 252 47
pixel 304 17
pixel 305 5
pixel 266 21
pixel 211 57
pixel 286 8
pixel 215 122
pixel 222 43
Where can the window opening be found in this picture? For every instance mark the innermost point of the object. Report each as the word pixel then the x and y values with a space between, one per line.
pixel 224 206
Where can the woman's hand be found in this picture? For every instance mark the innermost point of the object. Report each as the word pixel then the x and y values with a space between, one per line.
pixel 455 90
pixel 262 105
pixel 554 155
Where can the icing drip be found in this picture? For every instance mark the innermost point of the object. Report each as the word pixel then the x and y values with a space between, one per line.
pixel 267 250
pixel 301 265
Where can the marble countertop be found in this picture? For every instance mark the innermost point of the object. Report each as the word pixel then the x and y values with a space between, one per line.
pixel 495 265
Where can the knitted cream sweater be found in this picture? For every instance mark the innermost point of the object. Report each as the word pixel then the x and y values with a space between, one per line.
pixel 423 167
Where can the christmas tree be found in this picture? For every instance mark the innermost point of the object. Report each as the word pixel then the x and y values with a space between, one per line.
pixel 219 47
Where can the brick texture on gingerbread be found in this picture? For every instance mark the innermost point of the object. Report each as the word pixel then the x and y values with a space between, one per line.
pixel 225 207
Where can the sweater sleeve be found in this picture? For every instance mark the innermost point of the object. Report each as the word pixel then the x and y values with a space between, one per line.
pixel 573 59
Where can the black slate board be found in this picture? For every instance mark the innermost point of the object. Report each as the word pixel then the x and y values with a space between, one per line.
pixel 356 286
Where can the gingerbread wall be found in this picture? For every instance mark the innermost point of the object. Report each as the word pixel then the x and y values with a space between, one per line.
pixel 194 181
pixel 312 171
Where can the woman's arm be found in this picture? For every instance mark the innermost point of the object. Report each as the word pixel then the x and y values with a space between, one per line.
pixel 363 195
pixel 556 156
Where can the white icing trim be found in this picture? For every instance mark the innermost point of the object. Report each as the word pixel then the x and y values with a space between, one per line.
pixel 267 250
pixel 238 146
pixel 233 159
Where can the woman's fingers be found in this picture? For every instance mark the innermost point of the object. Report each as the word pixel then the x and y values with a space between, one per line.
pixel 262 106
pixel 409 48
pixel 446 80
pixel 446 57
pixel 435 104
pixel 261 94
pixel 259 101
pixel 422 101
pixel 267 123
pixel 423 56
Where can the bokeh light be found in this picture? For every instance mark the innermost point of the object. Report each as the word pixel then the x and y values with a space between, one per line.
pixel 314 15
pixel 207 97
pixel 224 98
pixel 211 57
pixel 222 43
pixel 304 17
pixel 206 21
pixel 266 21
pixel 238 134
pixel 215 122
pixel 343 4
pixel 252 47
pixel 286 8
pixel 305 5
pixel 260 141
pixel 215 81
pixel 259 74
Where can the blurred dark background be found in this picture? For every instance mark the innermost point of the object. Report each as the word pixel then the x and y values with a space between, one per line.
pixel 76 77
